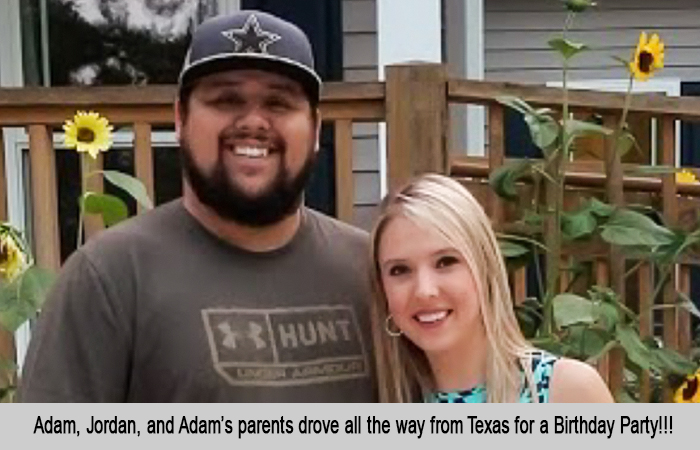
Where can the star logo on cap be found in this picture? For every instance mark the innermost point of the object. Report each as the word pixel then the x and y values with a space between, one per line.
pixel 251 38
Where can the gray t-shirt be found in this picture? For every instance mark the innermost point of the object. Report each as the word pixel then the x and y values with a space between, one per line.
pixel 160 310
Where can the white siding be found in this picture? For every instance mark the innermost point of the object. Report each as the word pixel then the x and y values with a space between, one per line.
pixel 360 64
pixel 517 31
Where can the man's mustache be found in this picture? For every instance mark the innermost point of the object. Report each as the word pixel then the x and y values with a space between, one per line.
pixel 267 138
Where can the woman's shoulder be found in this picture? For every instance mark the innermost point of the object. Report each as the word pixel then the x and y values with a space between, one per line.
pixel 575 381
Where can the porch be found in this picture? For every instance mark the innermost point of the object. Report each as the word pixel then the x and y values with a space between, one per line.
pixel 414 102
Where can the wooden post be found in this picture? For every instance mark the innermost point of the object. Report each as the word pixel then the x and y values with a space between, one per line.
pixel 44 198
pixel 520 285
pixel 646 289
pixel 143 156
pixel 670 211
pixel 496 159
pixel 684 329
pixel 602 278
pixel 344 179
pixel 416 120
pixel 616 263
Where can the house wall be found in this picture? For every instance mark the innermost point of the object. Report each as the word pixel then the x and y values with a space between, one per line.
pixel 360 64
pixel 517 31
pixel 515 46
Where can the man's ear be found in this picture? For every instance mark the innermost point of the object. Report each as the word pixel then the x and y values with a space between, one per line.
pixel 178 119
pixel 319 122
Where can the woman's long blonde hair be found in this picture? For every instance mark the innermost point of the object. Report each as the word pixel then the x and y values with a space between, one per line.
pixel 442 204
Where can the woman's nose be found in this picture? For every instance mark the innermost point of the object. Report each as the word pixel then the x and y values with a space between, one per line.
pixel 426 284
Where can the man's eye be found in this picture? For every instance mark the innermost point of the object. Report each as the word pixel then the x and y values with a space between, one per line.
pixel 397 270
pixel 227 100
pixel 278 104
pixel 446 261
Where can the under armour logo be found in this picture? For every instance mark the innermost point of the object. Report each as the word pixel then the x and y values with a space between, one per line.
pixel 251 38
pixel 253 333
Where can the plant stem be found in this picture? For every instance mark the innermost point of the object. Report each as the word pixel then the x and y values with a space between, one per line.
pixel 85 165
pixel 555 198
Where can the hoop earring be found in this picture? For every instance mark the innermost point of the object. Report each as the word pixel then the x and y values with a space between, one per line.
pixel 389 331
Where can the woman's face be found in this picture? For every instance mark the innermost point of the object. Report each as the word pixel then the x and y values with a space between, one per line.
pixel 431 293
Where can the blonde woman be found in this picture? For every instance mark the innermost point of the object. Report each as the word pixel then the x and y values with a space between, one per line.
pixel 443 321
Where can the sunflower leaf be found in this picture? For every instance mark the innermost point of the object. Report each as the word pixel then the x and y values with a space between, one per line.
pixel 516 103
pixel 634 347
pixel 543 129
pixel 112 209
pixel 503 179
pixel 578 6
pixel 669 360
pixel 568 49
pixel 511 249
pixel 23 297
pixel 630 228
pixel 133 186
pixel 598 208
pixel 627 141
pixel 577 225
pixel 576 128
pixel 571 309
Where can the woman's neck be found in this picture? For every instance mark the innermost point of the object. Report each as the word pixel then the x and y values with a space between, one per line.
pixel 462 367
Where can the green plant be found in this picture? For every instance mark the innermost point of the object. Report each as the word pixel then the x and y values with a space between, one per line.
pixel 23 284
pixel 588 323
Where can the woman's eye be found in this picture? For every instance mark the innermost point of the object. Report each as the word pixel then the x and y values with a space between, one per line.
pixel 446 261
pixel 395 271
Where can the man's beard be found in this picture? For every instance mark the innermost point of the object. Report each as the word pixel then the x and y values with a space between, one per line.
pixel 214 189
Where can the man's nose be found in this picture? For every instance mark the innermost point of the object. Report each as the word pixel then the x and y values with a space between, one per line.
pixel 426 284
pixel 252 119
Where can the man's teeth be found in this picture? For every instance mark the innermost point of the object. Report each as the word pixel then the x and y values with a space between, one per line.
pixel 431 317
pixel 252 152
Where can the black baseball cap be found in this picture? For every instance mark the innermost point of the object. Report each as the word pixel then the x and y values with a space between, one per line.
pixel 251 40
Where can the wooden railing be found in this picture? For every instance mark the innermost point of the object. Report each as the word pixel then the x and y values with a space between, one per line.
pixel 41 111
pixel 413 102
pixel 679 204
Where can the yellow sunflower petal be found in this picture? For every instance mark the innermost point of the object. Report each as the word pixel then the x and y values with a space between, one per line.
pixel 88 132
pixel 686 176
pixel 12 259
pixel 648 57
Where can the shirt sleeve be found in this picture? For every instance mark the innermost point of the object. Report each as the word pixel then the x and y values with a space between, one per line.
pixel 80 349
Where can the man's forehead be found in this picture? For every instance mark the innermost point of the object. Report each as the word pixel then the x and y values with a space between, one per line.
pixel 240 77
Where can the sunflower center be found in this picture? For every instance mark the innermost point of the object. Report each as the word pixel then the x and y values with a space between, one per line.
pixel 86 135
pixel 646 59
pixel 690 389
pixel 4 253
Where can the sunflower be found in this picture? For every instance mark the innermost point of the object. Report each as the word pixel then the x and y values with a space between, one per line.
pixel 12 258
pixel 689 392
pixel 648 57
pixel 88 132
pixel 686 176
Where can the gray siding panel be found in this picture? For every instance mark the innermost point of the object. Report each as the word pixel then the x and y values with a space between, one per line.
pixel 360 64
pixel 359 16
pixel 359 50
pixel 516 35
pixel 366 159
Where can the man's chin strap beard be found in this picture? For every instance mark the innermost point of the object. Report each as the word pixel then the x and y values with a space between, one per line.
pixel 281 199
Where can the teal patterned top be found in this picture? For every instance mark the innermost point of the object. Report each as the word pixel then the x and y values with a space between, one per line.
pixel 542 367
